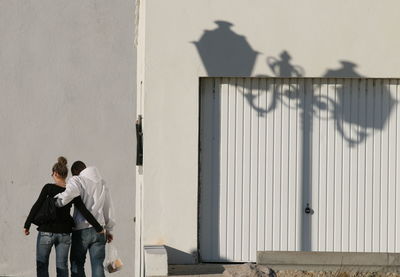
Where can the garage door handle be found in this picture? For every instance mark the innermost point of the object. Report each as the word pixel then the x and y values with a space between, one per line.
pixel 308 209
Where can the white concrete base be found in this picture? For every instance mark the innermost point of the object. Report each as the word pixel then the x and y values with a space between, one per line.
pixel 330 261
pixel 155 260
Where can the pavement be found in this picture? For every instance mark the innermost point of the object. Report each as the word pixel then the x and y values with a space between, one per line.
pixel 253 270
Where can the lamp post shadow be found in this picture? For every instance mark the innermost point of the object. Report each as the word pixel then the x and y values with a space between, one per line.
pixel 224 53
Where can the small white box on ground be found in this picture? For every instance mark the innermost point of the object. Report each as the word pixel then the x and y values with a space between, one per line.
pixel 155 260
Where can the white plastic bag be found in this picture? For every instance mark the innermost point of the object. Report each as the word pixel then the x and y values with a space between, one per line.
pixel 113 262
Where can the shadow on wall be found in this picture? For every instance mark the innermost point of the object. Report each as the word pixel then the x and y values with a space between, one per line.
pixel 344 115
pixel 176 256
pixel 225 53
pixel 283 68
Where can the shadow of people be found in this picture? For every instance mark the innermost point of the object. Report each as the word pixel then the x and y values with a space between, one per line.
pixel 225 53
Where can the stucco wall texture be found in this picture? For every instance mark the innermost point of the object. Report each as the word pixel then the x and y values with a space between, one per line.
pixel 189 39
pixel 67 82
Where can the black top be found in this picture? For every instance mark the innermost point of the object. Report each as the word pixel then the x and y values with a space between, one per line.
pixel 64 221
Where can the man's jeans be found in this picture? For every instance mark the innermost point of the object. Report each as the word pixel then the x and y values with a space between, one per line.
pixel 82 241
pixel 45 242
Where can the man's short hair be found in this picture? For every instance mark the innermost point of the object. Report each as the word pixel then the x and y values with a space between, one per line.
pixel 77 167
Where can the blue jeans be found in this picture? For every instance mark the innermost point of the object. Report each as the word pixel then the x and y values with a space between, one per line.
pixel 82 241
pixel 44 243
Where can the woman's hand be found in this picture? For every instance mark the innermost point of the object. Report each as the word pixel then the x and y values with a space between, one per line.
pixel 109 237
pixel 26 232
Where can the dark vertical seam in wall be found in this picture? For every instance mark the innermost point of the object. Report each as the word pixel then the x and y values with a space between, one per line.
pixel 326 169
pixel 310 170
pixel 365 165
pixel 373 158
pixel 395 168
pixel 358 156
pixel 388 172
pixel 227 173
pixel 273 166
pixel 280 171
pixel 213 208
pixel 242 194
pixel 200 85
pixel 357 128
pixel 342 177
pixel 295 170
pixel 288 173
pixel 250 167
pixel 319 167
pixel 380 167
pixel 350 84
pixel 234 174
pixel 334 170
pixel 265 169
pixel 258 160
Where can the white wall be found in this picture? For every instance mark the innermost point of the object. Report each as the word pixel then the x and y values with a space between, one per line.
pixel 67 80
pixel 318 35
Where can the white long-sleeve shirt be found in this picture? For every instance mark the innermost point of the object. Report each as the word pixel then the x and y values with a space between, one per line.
pixel 95 195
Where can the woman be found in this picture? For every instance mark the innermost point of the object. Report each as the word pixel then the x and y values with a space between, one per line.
pixel 57 232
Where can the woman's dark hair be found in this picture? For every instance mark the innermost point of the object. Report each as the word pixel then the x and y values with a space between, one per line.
pixel 77 167
pixel 60 167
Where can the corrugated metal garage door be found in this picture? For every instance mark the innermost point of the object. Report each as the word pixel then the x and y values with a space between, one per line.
pixel 269 147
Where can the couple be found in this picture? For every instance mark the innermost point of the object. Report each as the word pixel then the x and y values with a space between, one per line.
pixel 93 211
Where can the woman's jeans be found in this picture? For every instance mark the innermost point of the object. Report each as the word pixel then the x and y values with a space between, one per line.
pixel 83 241
pixel 45 242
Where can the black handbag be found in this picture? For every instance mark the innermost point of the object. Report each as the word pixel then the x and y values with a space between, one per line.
pixel 47 212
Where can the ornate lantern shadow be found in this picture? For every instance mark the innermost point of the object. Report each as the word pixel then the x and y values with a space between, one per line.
pixel 343 114
pixel 225 53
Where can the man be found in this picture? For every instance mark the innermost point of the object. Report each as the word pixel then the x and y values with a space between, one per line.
pixel 88 183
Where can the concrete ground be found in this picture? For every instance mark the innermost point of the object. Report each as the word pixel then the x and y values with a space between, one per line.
pixel 297 263
pixel 252 270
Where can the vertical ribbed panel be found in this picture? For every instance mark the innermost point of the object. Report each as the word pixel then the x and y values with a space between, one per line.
pixel 270 146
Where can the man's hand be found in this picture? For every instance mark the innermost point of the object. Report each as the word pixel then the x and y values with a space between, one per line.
pixel 102 232
pixel 109 237
pixel 26 232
